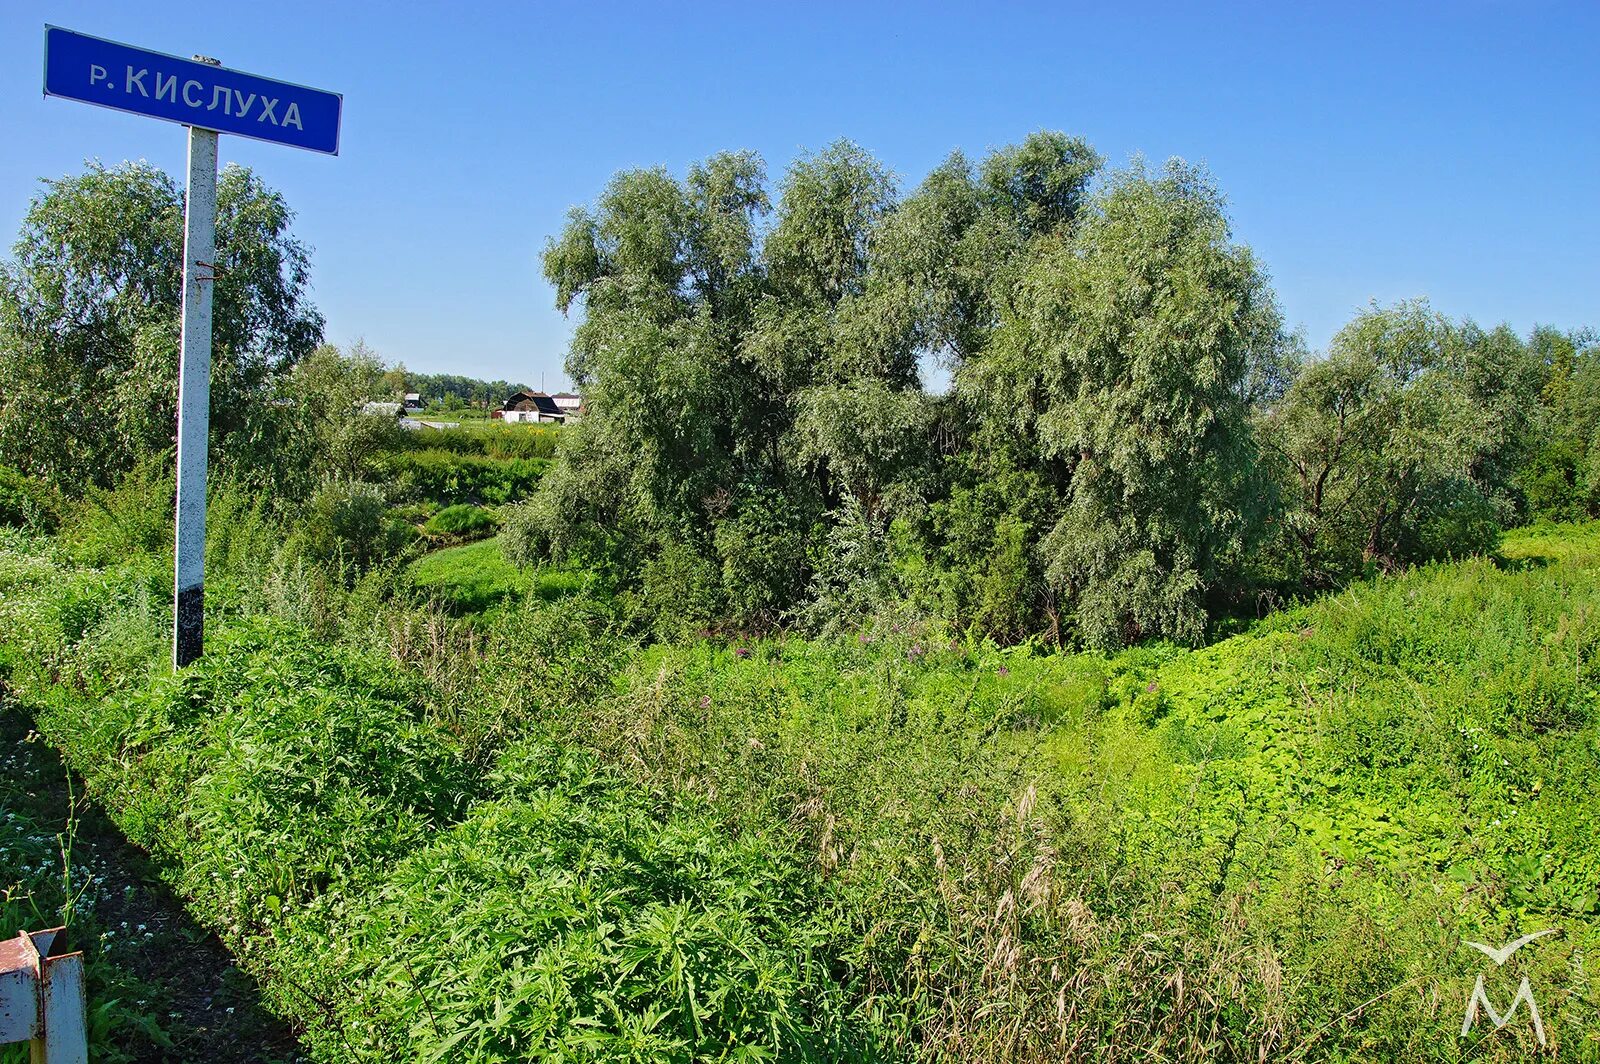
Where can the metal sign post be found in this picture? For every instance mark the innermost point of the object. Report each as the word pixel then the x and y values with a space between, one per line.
pixel 194 398
pixel 209 99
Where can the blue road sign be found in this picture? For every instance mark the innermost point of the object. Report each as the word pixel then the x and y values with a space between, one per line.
pixel 119 76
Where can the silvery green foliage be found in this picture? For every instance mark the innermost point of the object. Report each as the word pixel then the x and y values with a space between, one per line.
pixel 89 310
pixel 741 357
pixel 1394 448
pixel 1128 344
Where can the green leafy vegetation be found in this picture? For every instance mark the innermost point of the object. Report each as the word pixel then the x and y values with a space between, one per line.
pixel 1572 544
pixel 822 846
pixel 449 477
pixel 472 578
pixel 89 311
pixel 462 519
pixel 24 503
pixel 488 440
pixel 1160 691
pixel 1133 447
pixel 468 578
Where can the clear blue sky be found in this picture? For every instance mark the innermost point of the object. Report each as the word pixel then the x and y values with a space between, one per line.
pixel 1367 152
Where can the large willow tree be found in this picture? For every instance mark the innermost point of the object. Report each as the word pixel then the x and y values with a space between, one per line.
pixel 1125 358
pixel 757 421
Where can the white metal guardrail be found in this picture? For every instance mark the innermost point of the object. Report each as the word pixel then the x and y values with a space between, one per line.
pixel 41 998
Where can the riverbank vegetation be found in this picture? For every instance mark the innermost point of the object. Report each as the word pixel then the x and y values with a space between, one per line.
pixel 1159 689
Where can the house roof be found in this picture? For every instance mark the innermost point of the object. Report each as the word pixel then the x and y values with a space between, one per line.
pixel 539 401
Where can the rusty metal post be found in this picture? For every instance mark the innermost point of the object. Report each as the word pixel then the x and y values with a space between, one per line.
pixel 42 999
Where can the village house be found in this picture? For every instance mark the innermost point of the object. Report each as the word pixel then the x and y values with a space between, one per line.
pixel 535 407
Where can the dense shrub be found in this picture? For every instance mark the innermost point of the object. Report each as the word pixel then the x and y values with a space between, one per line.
pixel 25 503
pixel 355 441
pixel 680 592
pixel 109 525
pixel 448 477
pixel 462 519
pixel 349 523
pixel 764 547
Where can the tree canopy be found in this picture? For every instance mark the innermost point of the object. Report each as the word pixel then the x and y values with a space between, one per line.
pixel 89 310
pixel 1130 447
pixel 1131 444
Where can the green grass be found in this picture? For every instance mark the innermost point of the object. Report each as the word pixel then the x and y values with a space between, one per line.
pixel 462 519
pixel 475 577
pixel 527 838
pixel 1570 544
pixel 469 578
pixel 1300 825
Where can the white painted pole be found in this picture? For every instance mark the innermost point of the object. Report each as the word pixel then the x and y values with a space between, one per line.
pixel 194 397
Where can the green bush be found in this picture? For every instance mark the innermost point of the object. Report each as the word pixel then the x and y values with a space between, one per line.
pixel 449 477
pixel 680 592
pixel 348 524
pixel 764 548
pixel 462 519
pixel 354 442
pixel 109 525
pixel 25 503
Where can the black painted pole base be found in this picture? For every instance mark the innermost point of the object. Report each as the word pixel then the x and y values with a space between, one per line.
pixel 189 625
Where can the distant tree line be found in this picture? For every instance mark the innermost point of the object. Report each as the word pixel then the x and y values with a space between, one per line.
pixel 1132 443
pixel 452 391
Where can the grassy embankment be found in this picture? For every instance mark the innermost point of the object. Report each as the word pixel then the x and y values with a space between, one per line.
pixel 530 838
